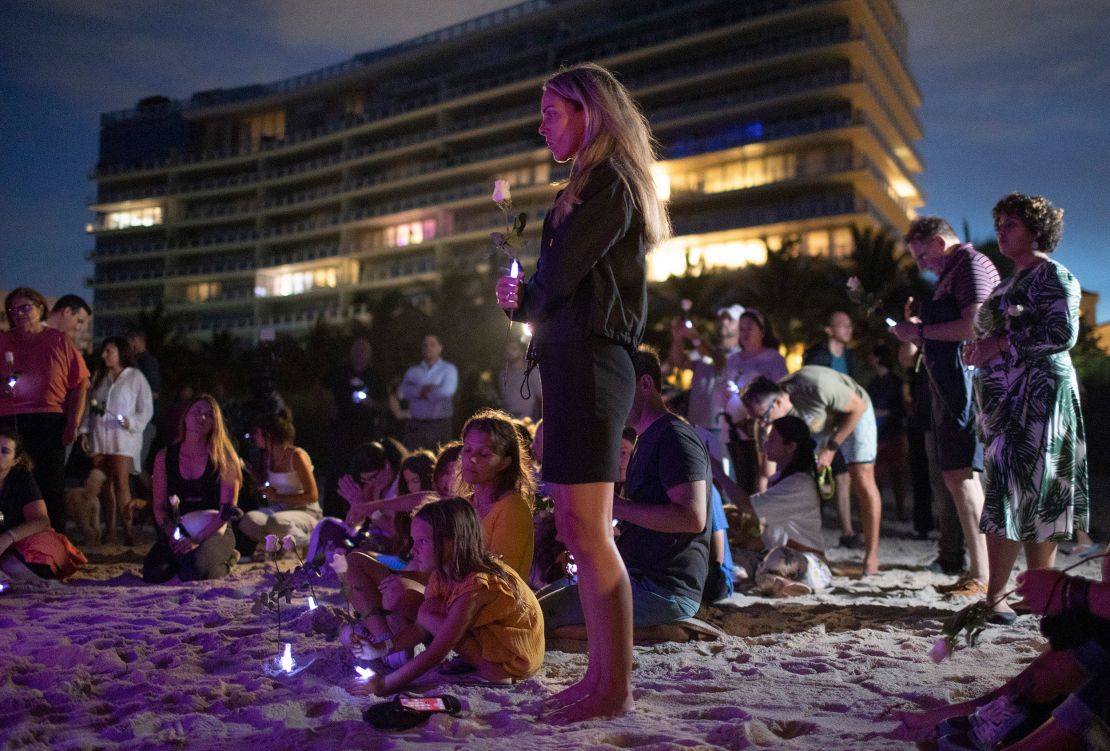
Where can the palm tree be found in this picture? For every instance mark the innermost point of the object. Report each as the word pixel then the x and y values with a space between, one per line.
pixel 160 327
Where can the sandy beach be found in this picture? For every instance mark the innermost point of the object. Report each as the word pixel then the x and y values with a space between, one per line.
pixel 107 662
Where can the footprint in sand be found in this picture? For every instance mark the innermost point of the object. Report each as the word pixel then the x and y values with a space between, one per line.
pixel 805 668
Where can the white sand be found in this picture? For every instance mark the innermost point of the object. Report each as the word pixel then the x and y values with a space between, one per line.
pixel 109 662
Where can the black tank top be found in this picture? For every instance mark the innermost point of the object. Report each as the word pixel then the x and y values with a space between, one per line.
pixel 196 495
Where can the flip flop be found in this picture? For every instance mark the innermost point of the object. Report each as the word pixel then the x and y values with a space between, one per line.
pixel 405 711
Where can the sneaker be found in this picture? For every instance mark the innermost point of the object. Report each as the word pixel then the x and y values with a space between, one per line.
pixel 963 587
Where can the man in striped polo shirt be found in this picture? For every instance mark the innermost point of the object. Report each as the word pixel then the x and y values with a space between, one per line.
pixel 965 278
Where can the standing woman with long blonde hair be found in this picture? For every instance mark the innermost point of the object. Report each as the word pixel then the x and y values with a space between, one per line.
pixel 587 303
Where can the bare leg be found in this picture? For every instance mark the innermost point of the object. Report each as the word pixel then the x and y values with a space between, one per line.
pixel 1039 555
pixel 844 505
pixel 1001 554
pixel 108 502
pixel 118 469
pixel 583 515
pixel 870 512
pixel 363 576
pixel 967 494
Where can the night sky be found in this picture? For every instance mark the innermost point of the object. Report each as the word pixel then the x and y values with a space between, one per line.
pixel 1016 97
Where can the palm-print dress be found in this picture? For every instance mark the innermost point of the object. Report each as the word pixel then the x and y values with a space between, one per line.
pixel 1035 451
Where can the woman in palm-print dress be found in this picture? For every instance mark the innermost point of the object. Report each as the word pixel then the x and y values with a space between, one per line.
pixel 1035 451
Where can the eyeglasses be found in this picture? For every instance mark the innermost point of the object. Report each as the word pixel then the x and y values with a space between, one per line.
pixel 22 310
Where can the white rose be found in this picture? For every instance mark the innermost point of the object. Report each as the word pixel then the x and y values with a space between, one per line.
pixel 288 544
pixel 941 651
pixel 501 191
pixel 174 501
pixel 272 544
pixel 1013 311
pixel 339 563
pixel 854 284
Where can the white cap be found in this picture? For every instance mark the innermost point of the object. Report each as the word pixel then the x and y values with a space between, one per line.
pixel 732 311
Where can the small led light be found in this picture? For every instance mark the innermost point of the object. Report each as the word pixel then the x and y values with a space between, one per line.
pixel 364 673
pixel 312 603
pixel 287 658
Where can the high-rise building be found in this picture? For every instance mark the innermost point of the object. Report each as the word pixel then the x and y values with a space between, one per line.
pixel 266 206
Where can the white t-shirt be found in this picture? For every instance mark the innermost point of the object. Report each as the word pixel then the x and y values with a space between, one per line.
pixel 791 510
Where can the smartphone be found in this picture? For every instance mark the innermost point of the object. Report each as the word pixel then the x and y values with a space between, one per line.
pixel 423 703
pixel 891 322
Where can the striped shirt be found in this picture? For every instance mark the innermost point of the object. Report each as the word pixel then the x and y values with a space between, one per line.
pixel 968 276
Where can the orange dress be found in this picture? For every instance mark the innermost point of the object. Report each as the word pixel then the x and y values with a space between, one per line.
pixel 508 630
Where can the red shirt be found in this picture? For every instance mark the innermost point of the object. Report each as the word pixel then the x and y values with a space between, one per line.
pixel 49 366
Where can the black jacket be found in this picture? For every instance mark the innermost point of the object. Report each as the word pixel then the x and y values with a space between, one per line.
pixel 591 278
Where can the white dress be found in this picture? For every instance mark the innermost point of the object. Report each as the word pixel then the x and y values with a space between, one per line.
pixel 127 396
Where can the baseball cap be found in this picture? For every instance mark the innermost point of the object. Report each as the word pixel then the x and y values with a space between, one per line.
pixel 732 311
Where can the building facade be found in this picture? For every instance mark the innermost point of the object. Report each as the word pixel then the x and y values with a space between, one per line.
pixel 270 206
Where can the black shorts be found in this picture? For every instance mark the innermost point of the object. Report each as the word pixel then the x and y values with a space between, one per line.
pixel 954 439
pixel 587 395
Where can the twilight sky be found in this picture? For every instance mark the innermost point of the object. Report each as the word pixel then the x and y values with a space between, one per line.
pixel 1016 97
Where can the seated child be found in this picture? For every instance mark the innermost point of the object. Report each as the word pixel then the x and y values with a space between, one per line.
pixel 473 604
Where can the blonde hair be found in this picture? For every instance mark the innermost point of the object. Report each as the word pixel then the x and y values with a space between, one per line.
pixel 616 132
pixel 220 449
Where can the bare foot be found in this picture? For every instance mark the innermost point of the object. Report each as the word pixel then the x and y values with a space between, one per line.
pixel 572 693
pixel 871 565
pixel 597 705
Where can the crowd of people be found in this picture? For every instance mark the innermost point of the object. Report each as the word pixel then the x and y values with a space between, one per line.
pixel 446 538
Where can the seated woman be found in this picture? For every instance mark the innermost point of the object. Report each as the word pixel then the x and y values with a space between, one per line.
pixel 1061 700
pixel 289 489
pixel 793 559
pixel 474 604
pixel 374 474
pixel 495 469
pixel 29 549
pixel 196 488
pixel 120 406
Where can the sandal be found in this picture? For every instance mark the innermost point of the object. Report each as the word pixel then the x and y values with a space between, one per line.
pixel 405 711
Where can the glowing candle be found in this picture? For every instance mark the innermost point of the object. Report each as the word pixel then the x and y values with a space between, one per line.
pixel 364 673
pixel 4 586
pixel 177 533
pixel 311 602
pixel 287 658
pixel 119 419
pixel 514 269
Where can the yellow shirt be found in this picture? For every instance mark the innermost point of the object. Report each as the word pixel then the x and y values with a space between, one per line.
pixel 508 630
pixel 508 533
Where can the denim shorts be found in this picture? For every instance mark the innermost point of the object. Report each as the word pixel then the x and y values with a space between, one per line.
pixel 862 445
pixel 651 605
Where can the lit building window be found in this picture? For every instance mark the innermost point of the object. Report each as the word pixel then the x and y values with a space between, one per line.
pixel 296 282
pixel 202 291
pixel 681 256
pixel 409 233
pixel 146 217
